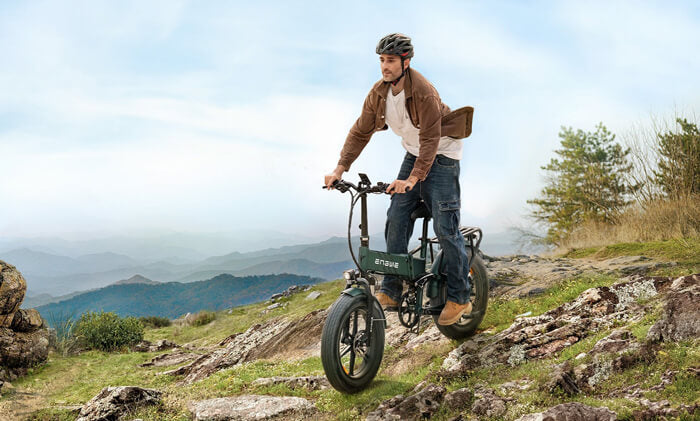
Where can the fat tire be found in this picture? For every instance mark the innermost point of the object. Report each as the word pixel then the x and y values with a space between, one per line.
pixel 467 327
pixel 341 311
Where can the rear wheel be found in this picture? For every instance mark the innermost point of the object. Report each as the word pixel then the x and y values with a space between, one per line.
pixel 467 325
pixel 350 355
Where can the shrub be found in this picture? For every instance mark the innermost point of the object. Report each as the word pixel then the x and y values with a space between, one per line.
pixel 107 331
pixel 202 318
pixel 155 321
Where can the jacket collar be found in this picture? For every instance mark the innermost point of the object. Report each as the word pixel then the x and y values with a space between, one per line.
pixel 383 88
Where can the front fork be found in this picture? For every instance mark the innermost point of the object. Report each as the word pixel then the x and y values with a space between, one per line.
pixel 363 286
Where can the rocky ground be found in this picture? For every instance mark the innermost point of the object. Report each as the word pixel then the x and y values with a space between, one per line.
pixel 604 313
pixel 24 340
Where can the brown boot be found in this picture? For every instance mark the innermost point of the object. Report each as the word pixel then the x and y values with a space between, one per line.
pixel 453 312
pixel 386 302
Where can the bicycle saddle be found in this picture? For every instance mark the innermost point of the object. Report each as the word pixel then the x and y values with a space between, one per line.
pixel 421 211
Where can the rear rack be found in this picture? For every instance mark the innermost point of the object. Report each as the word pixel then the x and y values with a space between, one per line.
pixel 471 234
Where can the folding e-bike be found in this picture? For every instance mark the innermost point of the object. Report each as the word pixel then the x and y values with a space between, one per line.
pixel 352 342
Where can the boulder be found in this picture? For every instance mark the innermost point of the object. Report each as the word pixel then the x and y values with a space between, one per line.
pixel 113 402
pixel 420 405
pixel 27 321
pixel 572 411
pixel 252 407
pixel 21 350
pixel 12 290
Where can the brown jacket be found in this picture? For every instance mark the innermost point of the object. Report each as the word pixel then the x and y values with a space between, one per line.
pixel 427 113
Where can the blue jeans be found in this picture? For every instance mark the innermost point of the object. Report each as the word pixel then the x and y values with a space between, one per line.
pixel 441 193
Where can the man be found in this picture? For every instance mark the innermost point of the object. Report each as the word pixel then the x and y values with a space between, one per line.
pixel 405 101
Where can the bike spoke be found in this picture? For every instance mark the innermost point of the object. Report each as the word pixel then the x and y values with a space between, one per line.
pixel 344 353
pixel 352 362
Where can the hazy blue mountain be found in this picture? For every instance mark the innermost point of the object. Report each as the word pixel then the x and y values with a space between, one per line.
pixel 136 279
pixel 175 247
pixel 37 262
pixel 174 299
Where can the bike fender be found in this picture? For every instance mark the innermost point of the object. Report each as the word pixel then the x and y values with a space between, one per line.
pixel 355 292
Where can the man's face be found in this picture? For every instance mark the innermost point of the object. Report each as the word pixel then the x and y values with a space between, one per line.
pixel 390 65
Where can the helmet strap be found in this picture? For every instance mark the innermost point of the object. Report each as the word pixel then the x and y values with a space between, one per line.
pixel 403 72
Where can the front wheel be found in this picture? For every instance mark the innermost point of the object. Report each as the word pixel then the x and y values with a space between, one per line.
pixel 350 355
pixel 467 325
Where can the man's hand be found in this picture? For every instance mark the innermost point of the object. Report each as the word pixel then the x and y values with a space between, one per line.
pixel 402 186
pixel 334 176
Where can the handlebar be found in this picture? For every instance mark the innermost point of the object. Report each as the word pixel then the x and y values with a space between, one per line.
pixel 362 187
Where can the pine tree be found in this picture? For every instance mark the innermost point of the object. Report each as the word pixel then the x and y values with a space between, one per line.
pixel 585 183
pixel 678 172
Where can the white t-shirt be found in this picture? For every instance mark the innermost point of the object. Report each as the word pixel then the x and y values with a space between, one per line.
pixel 397 118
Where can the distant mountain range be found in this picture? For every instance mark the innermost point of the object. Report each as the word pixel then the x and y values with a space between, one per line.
pixel 52 277
pixel 173 299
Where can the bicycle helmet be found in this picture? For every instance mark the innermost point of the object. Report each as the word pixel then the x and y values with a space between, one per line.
pixel 398 44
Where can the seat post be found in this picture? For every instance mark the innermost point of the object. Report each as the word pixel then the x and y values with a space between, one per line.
pixel 424 239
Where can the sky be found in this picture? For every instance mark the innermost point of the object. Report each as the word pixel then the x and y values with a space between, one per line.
pixel 222 116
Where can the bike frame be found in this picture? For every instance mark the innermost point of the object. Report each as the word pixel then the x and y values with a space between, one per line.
pixel 407 267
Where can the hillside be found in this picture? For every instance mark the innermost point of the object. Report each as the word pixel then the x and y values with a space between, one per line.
pixel 615 333
pixel 173 299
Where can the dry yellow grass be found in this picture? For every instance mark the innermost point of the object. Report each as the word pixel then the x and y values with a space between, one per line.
pixel 656 220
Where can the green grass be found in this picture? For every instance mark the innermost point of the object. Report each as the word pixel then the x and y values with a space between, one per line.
pixel 686 250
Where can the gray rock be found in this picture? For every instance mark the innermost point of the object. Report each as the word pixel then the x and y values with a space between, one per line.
pixel 572 411
pixel 488 404
pixel 662 409
pixel 681 317
pixel 251 407
pixel 21 350
pixel 562 379
pixel 307 382
pixel 273 306
pixel 459 399
pixel 313 295
pixel 113 402
pixel 166 360
pixel 27 321
pixel 276 296
pixel 618 340
pixel 547 334
pixel 12 290
pixel 419 405
pixel 142 346
pixel 162 345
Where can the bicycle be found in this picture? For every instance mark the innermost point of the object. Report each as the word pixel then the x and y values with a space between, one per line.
pixel 352 340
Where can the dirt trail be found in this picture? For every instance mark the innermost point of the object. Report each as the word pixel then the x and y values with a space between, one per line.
pixel 20 404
